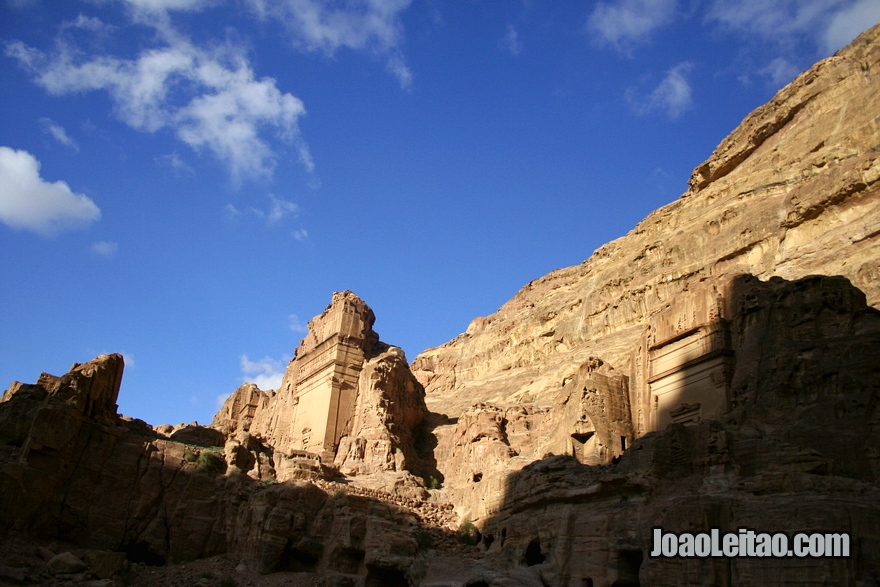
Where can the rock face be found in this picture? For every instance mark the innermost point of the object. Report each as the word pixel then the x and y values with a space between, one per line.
pixel 379 434
pixel 793 191
pixel 346 398
pixel 806 365
pixel 70 472
pixel 717 367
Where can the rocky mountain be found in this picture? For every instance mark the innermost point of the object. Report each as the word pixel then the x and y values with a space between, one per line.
pixel 792 192
pixel 716 368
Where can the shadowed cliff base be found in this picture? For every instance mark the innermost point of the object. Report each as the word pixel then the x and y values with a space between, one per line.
pixel 794 452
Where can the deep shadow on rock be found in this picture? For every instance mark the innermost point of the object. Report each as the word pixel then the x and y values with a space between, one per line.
pixel 795 452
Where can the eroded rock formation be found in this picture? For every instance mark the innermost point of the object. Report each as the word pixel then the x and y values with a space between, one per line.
pixel 792 192
pixel 72 472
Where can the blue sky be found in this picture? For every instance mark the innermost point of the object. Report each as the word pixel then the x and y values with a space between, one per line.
pixel 187 181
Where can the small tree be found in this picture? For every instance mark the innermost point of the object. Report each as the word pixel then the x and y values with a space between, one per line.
pixel 211 462
pixel 467 533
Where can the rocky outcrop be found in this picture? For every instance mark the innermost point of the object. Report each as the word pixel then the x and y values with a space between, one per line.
pixel 346 399
pixel 69 472
pixel 792 192
pixel 380 432
pixel 308 412
pixel 794 454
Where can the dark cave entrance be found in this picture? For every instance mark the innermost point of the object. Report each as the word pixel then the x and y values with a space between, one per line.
pixel 141 553
pixel 385 577
pixel 628 564
pixel 533 555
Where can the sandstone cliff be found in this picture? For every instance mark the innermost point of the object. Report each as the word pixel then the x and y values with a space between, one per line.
pixel 72 471
pixel 793 191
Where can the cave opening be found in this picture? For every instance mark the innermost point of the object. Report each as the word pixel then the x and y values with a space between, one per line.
pixel 533 555
pixel 628 564
pixel 141 553
pixel 385 577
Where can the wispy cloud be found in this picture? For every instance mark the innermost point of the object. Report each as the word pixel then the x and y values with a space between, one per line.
pixel 57 132
pixel 296 324
pixel 168 5
pixel 279 209
pixel 231 212
pixel 29 202
pixel 91 24
pixel 267 372
pixel 218 104
pixel 276 211
pixel 627 23
pixel 176 163
pixel 848 23
pixel 672 95
pixel 399 69
pixel 828 24
pixel 779 72
pixel 105 248
pixel 511 40
pixel 318 25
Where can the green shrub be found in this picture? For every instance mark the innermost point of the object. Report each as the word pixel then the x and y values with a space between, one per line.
pixel 432 482
pixel 190 456
pixel 467 533
pixel 211 462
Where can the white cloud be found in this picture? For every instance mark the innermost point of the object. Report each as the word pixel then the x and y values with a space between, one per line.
pixel 231 211
pixel 276 211
pixel 90 24
pixel 57 132
pixel 29 202
pixel 218 104
pixel 176 163
pixel 629 22
pixel 672 95
pixel 279 209
pixel 511 40
pixel 780 71
pixel 398 68
pixel 327 26
pixel 105 248
pixel 319 25
pixel 301 234
pixel 155 5
pixel 296 325
pixel 849 23
pixel 829 24
pixel 267 372
pixel 770 20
